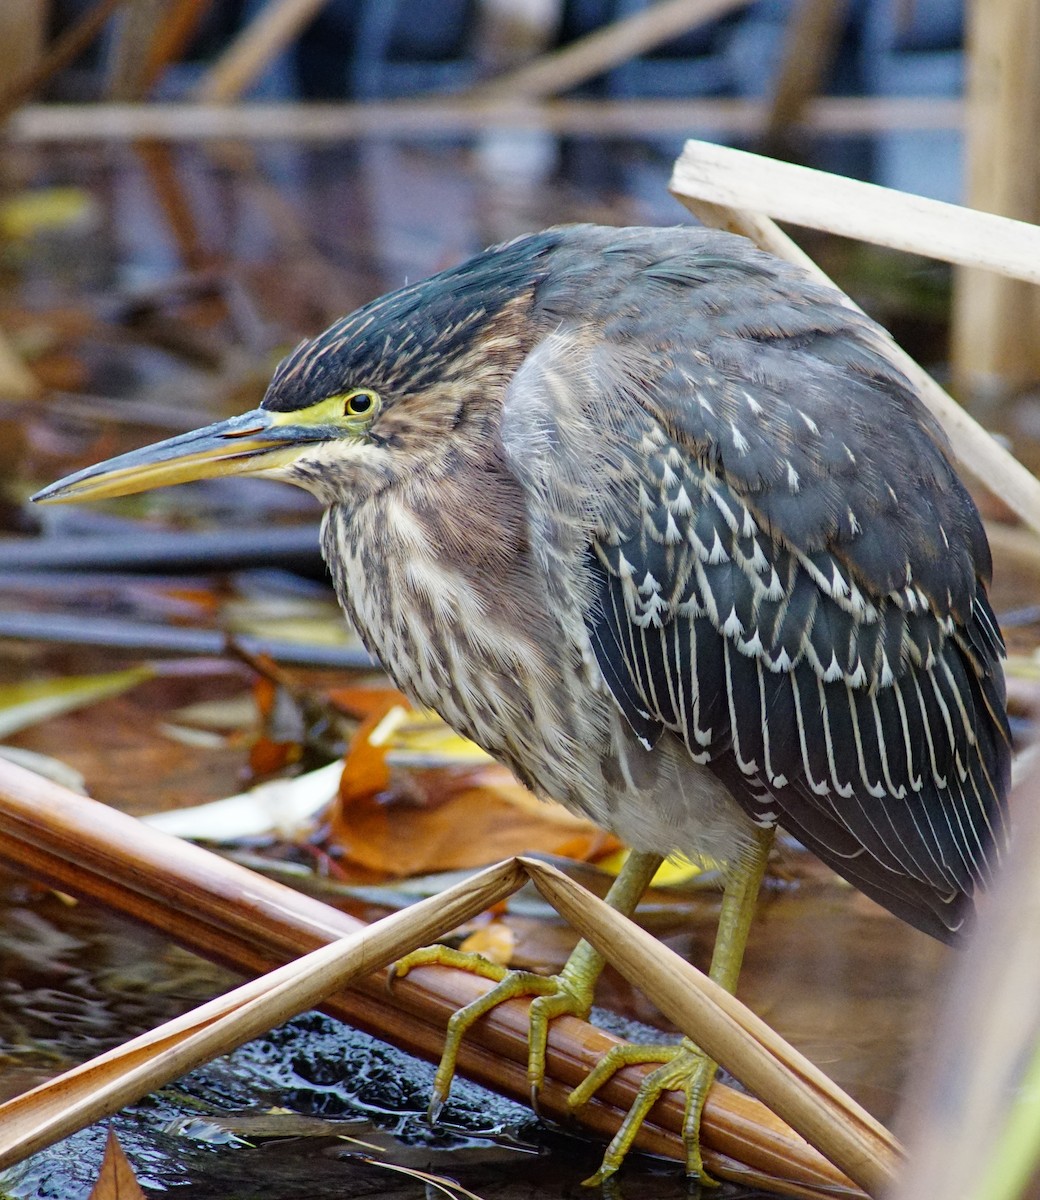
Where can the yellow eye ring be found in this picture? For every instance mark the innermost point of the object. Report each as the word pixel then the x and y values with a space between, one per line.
pixel 361 403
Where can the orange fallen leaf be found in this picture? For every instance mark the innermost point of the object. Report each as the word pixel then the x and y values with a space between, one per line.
pixel 476 825
pixel 363 702
pixel 116 1179
pixel 267 757
pixel 494 941
pixel 365 773
pixel 416 798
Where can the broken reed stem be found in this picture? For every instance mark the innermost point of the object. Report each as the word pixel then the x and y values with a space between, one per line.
pixel 245 921
pixel 731 1034
pixel 98 1088
pixel 811 43
pixel 737 179
pixel 733 190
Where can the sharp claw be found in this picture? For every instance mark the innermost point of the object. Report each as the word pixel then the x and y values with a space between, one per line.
pixel 433 1113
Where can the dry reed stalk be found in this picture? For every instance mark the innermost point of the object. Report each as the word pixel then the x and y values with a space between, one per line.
pixel 16 380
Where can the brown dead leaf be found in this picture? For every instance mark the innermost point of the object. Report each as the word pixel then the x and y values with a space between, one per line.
pixel 116 1179
pixel 488 818
pixel 422 816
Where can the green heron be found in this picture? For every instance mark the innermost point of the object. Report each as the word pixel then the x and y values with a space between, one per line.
pixel 651 517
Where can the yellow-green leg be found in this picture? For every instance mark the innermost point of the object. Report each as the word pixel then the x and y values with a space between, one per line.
pixel 684 1067
pixel 570 991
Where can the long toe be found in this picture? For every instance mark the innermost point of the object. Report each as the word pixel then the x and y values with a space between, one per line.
pixel 684 1067
pixel 553 995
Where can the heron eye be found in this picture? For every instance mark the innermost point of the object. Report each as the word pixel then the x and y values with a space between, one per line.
pixel 358 404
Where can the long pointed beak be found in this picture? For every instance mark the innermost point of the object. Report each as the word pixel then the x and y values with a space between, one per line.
pixel 257 441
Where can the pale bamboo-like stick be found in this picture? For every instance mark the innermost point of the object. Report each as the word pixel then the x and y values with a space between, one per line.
pixel 980 455
pixel 605 48
pixel 1014 547
pixel 333 122
pixel 820 200
pixel 102 1086
pixel 731 1034
pixel 269 32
